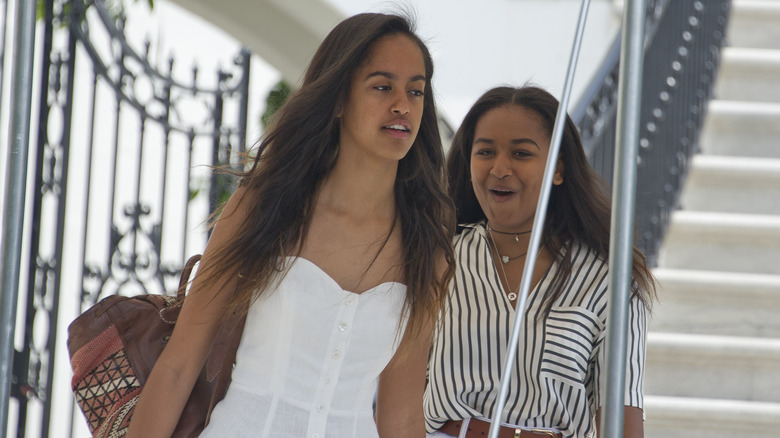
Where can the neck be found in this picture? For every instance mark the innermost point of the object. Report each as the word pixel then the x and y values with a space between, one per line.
pixel 509 244
pixel 505 234
pixel 360 190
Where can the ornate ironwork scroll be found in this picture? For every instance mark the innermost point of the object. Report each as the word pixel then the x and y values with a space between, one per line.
pixel 123 180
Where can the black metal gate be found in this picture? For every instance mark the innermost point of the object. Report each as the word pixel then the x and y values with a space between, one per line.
pixel 122 184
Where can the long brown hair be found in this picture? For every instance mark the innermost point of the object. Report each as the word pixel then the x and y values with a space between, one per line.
pixel 578 209
pixel 301 148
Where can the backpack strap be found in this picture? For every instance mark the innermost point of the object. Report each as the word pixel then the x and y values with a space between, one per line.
pixel 219 365
pixel 223 356
pixel 186 272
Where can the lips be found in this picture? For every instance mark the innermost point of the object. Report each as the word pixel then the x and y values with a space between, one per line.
pixel 398 128
pixel 398 125
pixel 501 193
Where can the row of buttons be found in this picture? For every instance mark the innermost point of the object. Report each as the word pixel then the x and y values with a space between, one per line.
pixel 337 354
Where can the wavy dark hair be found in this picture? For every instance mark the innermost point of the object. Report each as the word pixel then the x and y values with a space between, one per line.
pixel 578 209
pixel 300 149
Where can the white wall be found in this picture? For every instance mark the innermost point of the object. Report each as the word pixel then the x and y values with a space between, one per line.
pixel 480 44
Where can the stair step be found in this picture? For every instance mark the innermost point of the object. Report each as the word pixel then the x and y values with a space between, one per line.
pixel 714 343
pixel 749 75
pixel 725 242
pixel 753 23
pixel 709 366
pixel 738 128
pixel 676 417
pixel 718 303
pixel 733 185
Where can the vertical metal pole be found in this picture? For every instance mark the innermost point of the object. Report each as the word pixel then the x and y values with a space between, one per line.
pixel 245 58
pixel 13 216
pixel 541 215
pixel 622 227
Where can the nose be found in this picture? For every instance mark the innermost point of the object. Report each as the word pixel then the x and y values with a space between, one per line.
pixel 501 167
pixel 401 103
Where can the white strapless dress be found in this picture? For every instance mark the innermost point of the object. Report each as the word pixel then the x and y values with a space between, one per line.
pixel 309 359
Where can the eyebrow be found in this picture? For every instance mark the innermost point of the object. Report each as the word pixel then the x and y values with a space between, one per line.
pixel 394 76
pixel 514 141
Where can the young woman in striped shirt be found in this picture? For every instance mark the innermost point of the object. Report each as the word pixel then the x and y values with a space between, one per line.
pixel 496 165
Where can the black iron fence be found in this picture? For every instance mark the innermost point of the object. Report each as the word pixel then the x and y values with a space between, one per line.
pixel 683 43
pixel 123 154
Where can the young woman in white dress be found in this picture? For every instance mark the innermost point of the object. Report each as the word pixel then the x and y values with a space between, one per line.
pixel 338 245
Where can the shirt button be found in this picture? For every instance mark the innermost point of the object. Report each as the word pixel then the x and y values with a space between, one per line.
pixel 350 301
pixel 328 380
pixel 336 354
pixel 342 327
pixel 320 408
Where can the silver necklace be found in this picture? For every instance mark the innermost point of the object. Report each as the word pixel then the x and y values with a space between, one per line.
pixel 511 295
pixel 504 258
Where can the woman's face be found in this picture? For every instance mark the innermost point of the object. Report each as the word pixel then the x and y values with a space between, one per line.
pixel 382 114
pixel 508 157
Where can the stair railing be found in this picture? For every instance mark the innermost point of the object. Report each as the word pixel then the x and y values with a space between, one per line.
pixel 683 42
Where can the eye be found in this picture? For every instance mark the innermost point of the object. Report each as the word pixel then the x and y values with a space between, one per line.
pixel 417 93
pixel 483 152
pixel 521 153
pixel 383 88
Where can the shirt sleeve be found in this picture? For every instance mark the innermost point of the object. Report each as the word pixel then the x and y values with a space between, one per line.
pixel 635 353
pixel 635 359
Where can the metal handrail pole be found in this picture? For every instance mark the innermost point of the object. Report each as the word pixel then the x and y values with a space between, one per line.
pixel 538 225
pixel 622 226
pixel 16 177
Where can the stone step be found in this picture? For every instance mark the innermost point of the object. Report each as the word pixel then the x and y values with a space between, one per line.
pixel 710 366
pixel 714 343
pixel 725 242
pixel 754 23
pixel 733 185
pixel 749 75
pixel 716 303
pixel 738 128
pixel 677 417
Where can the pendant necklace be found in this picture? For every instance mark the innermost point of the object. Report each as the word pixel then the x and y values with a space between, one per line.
pixel 517 235
pixel 505 259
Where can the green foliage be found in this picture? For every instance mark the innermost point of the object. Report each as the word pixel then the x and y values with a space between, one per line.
pixel 225 185
pixel 276 98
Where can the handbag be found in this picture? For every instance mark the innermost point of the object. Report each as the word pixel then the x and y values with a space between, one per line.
pixel 114 345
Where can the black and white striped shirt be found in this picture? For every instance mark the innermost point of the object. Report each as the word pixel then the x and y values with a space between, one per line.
pixel 558 379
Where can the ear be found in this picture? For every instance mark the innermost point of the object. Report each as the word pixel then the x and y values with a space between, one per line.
pixel 558 177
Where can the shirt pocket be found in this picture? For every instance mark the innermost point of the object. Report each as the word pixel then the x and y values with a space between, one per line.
pixel 571 334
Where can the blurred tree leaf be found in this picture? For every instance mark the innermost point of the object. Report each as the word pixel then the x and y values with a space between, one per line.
pixel 276 98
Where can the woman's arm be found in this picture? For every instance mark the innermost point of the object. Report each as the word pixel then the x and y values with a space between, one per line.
pixel 399 404
pixel 173 376
pixel 633 422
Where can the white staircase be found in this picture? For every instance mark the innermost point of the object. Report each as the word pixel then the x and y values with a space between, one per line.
pixel 713 355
